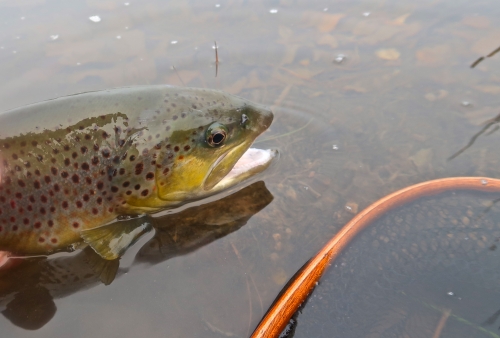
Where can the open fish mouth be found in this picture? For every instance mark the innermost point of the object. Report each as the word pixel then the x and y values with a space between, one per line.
pixel 252 162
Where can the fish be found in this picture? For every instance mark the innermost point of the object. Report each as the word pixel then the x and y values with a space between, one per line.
pixel 93 168
pixel 29 290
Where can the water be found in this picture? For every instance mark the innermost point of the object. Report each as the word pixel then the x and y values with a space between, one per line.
pixel 402 100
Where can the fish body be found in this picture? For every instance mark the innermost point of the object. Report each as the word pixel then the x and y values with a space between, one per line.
pixel 76 163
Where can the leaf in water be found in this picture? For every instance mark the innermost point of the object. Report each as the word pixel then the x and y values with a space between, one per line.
pixel 434 56
pixel 329 40
pixel 436 96
pixel 476 21
pixel 388 54
pixel 422 158
pixel 487 43
pixel 399 21
pixel 491 89
pixel 182 77
pixel 285 32
pixel 237 87
pixel 323 22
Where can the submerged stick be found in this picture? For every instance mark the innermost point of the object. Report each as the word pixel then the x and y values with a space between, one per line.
pixel 305 280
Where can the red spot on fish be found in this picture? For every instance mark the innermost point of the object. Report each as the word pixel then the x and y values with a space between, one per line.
pixel 64 204
pixel 85 166
pixel 95 211
pixel 52 209
pixel 176 148
pixel 21 183
pixel 36 184
pixel 64 174
pixel 86 197
pixel 26 221
pixel 50 223
pixel 19 195
pixel 43 211
pixel 145 192
pixel 150 176
pixel 187 147
pixel 13 204
pixel 165 171
pixel 100 185
pixel 88 180
pixel 76 225
pixel 74 155
pixel 12 219
pixel 53 170
pixel 41 239
pixel 84 149
pixel 75 178
pixel 43 198
pixel 47 179
pixel 79 204
pixel 32 199
pixel 114 189
pixel 56 187
pixel 67 161
pixel 37 225
pixel 99 200
pixel 54 240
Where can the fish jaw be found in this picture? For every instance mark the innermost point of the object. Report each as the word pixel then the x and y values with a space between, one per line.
pixel 253 162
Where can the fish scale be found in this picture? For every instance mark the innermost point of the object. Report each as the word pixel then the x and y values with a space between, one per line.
pixel 79 162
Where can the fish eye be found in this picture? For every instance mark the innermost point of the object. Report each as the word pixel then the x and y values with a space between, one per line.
pixel 216 135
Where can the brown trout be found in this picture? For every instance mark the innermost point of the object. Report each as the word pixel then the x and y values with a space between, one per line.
pixel 87 167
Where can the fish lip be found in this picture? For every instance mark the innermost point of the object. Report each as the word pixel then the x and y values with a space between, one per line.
pixel 236 176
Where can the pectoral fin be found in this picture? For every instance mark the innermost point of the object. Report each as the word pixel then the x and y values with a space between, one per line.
pixel 111 241
pixel 105 269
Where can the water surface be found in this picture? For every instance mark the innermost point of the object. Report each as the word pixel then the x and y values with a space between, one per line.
pixel 369 97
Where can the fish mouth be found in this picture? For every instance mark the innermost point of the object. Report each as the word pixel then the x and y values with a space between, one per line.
pixel 252 162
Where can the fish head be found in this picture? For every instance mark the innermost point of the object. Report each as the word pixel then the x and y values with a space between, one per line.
pixel 206 145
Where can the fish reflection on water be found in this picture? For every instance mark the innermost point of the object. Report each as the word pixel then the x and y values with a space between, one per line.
pixel 28 290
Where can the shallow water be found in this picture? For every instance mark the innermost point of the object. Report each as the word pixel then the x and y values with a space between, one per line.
pixel 369 97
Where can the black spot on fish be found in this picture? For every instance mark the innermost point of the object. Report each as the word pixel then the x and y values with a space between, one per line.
pixel 138 168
